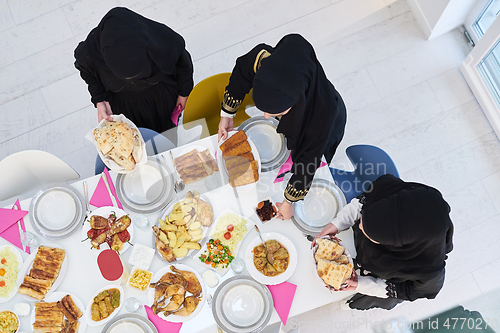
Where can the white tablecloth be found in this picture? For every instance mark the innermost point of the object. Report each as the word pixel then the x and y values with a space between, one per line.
pixel 83 277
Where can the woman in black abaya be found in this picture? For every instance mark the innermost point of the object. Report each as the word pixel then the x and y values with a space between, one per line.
pixel 137 67
pixel 289 82
pixel 402 234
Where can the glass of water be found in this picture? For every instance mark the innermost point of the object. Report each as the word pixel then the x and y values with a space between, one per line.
pixel 141 221
pixel 238 265
pixel 30 240
pixel 132 304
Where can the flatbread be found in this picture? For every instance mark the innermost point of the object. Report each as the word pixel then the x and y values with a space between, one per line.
pixel 334 274
pixel 328 249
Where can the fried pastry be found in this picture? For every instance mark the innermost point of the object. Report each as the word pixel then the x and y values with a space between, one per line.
pixel 234 140
pixel 239 149
pixel 251 175
pixel 332 273
pixel 328 249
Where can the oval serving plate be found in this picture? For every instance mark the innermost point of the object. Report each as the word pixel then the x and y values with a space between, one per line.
pixel 25 269
pixel 129 323
pixel 20 276
pixel 173 317
pixel 105 212
pixel 270 144
pixel 146 189
pixel 271 280
pixel 57 212
pixel 241 304
pixel 57 296
pixel 222 165
pixel 104 321
pixel 320 206
pixel 203 240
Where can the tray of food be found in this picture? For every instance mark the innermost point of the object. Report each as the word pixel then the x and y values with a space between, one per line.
pixel 108 228
pixel 11 276
pixel 274 265
pixel 224 241
pixel 240 161
pixel 104 305
pixel 332 263
pixel 43 272
pixel 197 168
pixel 177 293
pixel 266 210
pixel 182 227
pixel 59 312
pixel 119 143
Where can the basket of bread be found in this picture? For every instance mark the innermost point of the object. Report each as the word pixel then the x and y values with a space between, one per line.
pixel 119 144
pixel 332 262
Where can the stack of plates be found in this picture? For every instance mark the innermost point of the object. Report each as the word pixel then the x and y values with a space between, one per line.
pixel 57 212
pixel 241 304
pixel 148 188
pixel 270 144
pixel 129 323
pixel 320 206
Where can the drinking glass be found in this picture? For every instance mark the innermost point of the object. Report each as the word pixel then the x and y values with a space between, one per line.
pixel 238 265
pixel 132 304
pixel 30 240
pixel 141 221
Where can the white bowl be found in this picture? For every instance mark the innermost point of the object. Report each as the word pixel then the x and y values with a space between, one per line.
pixel 91 322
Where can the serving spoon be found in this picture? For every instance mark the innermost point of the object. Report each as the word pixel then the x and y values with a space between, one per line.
pixel 269 256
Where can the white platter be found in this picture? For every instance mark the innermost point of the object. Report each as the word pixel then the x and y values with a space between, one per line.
pixel 191 253
pixel 105 212
pixel 91 322
pixel 20 276
pixel 173 317
pixel 29 262
pixel 129 323
pixel 222 271
pixel 271 280
pixel 222 164
pixel 57 296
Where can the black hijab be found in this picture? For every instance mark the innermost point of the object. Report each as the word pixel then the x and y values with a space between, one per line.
pixel 293 77
pixel 131 46
pixel 412 224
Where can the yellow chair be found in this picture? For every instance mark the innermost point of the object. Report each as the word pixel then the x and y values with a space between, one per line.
pixel 204 103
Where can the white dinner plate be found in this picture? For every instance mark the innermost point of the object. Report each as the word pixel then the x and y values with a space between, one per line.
pixel 20 276
pixel 241 304
pixel 271 280
pixel 320 206
pixel 146 189
pixel 105 212
pixel 173 317
pixel 57 212
pixel 91 322
pixel 57 296
pixel 27 267
pixel 129 323
pixel 204 239
pixel 271 145
pixel 222 164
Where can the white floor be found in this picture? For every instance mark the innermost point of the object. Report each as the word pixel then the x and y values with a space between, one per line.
pixel 403 93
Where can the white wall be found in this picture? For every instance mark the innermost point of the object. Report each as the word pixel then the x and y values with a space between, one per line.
pixel 437 17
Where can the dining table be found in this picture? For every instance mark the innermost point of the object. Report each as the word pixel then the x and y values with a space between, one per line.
pixel 83 278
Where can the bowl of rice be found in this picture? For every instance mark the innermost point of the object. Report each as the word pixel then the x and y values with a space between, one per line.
pixel 9 322
pixel 10 278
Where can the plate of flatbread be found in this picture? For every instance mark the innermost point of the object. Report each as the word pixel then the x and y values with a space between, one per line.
pixel 332 262
pixel 119 143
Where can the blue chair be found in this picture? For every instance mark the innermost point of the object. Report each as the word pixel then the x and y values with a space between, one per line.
pixel 155 144
pixel 369 162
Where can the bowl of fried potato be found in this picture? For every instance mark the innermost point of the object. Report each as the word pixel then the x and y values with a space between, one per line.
pixel 182 228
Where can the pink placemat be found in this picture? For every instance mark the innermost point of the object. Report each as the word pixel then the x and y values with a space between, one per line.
pixel 287 166
pixel 101 197
pixel 9 230
pixel 161 325
pixel 283 295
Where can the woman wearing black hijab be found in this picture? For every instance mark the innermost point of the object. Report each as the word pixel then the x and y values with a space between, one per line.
pixel 402 234
pixel 137 67
pixel 288 81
